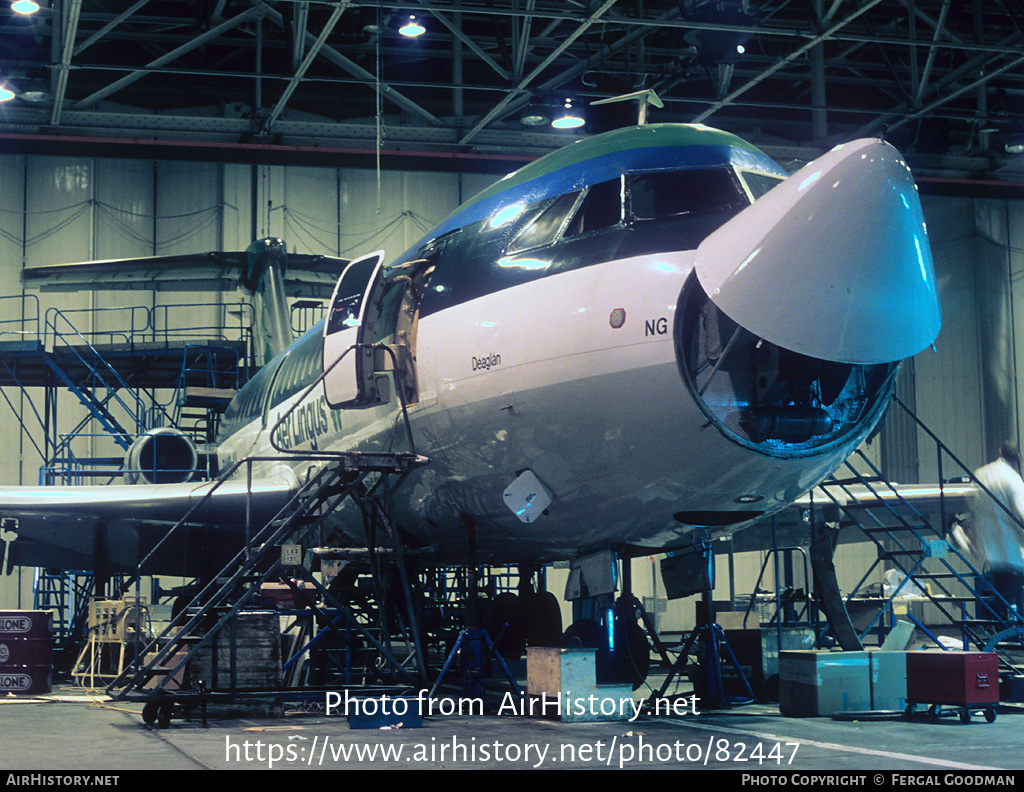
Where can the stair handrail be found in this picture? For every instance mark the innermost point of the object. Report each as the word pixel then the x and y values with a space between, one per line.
pixel 906 526
pixel 51 318
pixel 942 447
pixel 23 319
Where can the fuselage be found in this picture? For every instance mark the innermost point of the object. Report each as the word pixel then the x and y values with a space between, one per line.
pixel 555 324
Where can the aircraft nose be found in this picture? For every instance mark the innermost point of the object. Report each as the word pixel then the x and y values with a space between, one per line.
pixel 833 263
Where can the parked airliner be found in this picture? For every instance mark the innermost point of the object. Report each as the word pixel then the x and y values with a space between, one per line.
pixel 648 333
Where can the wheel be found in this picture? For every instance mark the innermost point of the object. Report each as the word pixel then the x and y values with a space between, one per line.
pixel 990 714
pixel 164 718
pixel 965 715
pixel 908 713
pixel 544 625
pixel 149 712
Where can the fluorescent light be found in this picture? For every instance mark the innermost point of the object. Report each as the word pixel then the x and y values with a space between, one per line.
pixel 25 6
pixel 34 97
pixel 412 28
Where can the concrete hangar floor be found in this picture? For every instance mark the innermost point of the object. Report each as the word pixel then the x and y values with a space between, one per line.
pixel 72 733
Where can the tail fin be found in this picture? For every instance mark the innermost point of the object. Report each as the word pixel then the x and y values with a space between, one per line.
pixel 265 267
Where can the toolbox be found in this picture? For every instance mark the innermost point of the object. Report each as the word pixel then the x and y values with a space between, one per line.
pixel 966 680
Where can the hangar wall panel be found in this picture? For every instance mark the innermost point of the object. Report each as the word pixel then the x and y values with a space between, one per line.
pixel 998 266
pixel 310 219
pixel 1015 258
pixel 948 388
pixel 66 209
pixel 236 226
pixel 12 200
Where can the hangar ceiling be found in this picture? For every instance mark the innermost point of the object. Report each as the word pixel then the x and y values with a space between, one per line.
pixel 304 81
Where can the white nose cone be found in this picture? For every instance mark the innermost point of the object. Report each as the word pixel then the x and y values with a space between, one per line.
pixel 833 263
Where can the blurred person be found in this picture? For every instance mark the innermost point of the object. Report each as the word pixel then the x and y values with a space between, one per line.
pixel 995 536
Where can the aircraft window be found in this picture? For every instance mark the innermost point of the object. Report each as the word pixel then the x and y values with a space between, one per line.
pixel 545 228
pixel 759 183
pixel 601 208
pixel 674 193
pixel 247 406
pixel 298 370
pixel 345 309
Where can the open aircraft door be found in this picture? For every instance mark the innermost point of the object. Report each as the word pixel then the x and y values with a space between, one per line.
pixel 374 314
pixel 350 382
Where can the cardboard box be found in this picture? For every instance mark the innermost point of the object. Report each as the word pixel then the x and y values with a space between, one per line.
pixel 888 680
pixel 757 652
pixel 816 683
pixel 562 683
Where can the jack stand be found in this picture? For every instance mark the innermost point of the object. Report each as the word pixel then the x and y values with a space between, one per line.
pixel 473 641
pixel 474 638
pixel 712 647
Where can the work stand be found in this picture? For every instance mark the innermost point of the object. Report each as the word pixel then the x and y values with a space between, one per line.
pixel 474 645
pixel 211 617
pixel 712 651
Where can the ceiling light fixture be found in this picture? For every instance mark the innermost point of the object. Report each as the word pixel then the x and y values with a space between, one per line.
pixel 6 94
pixel 533 118
pixel 25 6
pixel 412 28
pixel 35 96
pixel 569 119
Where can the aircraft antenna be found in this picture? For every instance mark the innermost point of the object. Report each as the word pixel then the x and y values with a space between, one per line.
pixel 644 98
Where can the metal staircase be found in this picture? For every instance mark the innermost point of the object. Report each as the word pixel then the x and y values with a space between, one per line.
pixel 915 541
pixel 212 609
pixel 209 378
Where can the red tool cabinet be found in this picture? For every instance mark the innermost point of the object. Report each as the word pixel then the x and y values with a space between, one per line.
pixel 967 680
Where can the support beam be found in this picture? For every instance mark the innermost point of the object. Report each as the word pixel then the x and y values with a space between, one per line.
pixel 356 70
pixel 455 29
pixel 798 52
pixel 113 23
pixel 69 29
pixel 300 23
pixel 515 92
pixel 930 62
pixel 171 56
pixel 307 61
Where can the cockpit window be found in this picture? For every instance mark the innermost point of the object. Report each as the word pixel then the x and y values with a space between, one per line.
pixel 759 183
pixel 545 228
pixel 683 192
pixel 601 208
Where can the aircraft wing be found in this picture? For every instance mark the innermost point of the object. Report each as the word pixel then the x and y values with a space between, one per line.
pixel 307 275
pixel 115 526
pixel 871 505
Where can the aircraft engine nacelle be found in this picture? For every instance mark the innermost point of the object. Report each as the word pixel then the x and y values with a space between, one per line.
pixel 161 456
